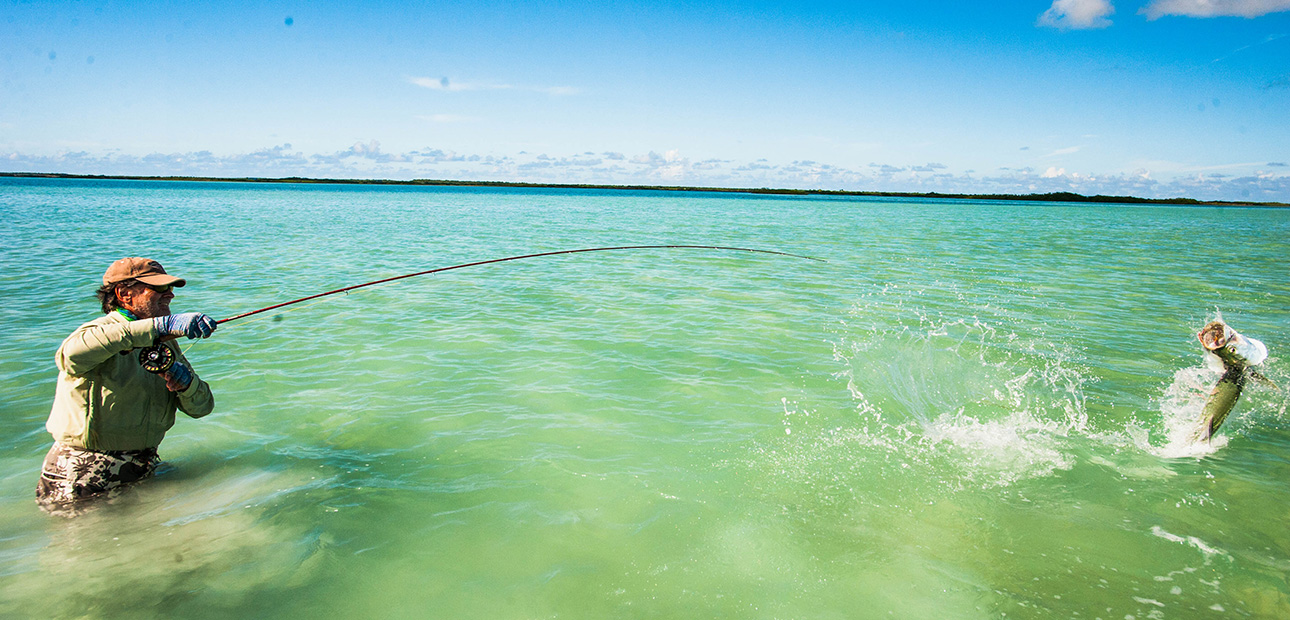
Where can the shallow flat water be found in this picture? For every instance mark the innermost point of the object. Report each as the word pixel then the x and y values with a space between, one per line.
pixel 965 413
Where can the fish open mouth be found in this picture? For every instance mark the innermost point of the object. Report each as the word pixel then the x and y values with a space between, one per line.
pixel 1233 348
pixel 1215 335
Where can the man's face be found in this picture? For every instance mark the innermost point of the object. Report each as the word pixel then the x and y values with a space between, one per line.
pixel 145 301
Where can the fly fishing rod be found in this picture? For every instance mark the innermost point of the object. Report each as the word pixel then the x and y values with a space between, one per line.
pixel 158 358
pixel 510 258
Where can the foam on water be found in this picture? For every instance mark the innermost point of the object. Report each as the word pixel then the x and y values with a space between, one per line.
pixel 998 400
pixel 1181 408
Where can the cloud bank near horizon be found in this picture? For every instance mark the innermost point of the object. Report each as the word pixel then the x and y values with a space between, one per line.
pixel 367 160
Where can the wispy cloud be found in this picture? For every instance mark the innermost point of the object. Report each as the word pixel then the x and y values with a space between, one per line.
pixel 1077 14
pixel 1213 8
pixel 446 85
pixel 1173 167
pixel 1066 151
pixel 1266 40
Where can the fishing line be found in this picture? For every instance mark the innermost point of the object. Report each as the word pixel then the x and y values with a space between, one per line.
pixel 511 258
pixel 158 357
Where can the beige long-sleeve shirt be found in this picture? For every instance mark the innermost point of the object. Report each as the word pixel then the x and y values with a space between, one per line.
pixel 105 400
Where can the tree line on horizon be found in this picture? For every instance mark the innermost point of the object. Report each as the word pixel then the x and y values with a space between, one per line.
pixel 1044 197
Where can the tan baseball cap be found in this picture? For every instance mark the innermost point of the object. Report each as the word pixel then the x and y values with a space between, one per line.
pixel 145 270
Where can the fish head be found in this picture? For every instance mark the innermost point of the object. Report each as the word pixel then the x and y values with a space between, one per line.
pixel 1234 349
pixel 1215 336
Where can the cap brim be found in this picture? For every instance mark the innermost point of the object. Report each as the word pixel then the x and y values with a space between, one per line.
pixel 162 279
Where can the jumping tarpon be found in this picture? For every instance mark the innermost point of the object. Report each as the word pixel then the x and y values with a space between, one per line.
pixel 1238 355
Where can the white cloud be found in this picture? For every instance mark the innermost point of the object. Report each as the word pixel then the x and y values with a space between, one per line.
pixel 655 160
pixel 359 151
pixel 1077 14
pixel 546 161
pixel 1066 151
pixel 669 166
pixel 1214 8
pixel 1054 172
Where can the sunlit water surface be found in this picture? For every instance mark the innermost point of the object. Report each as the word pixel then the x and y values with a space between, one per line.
pixel 968 411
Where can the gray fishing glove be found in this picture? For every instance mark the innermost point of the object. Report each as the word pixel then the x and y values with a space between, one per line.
pixel 191 324
pixel 178 377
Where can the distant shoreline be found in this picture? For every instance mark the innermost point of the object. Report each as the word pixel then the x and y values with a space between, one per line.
pixel 1047 197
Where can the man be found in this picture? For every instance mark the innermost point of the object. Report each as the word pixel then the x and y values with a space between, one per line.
pixel 109 412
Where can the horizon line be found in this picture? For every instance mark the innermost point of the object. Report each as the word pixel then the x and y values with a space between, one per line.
pixel 1061 197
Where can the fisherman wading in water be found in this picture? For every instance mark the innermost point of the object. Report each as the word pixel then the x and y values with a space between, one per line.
pixel 110 413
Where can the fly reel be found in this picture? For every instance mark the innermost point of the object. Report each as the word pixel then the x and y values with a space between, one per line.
pixel 157 358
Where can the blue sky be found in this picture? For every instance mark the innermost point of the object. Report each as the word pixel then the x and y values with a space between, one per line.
pixel 1147 98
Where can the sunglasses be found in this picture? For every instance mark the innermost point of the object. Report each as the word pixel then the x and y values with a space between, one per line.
pixel 161 289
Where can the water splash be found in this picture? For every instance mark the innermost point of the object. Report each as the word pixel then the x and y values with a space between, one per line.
pixel 993 400
pixel 1181 407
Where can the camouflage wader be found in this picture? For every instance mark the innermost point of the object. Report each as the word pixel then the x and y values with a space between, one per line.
pixel 70 473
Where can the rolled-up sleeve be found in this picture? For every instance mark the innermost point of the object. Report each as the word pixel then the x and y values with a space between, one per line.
pixel 88 346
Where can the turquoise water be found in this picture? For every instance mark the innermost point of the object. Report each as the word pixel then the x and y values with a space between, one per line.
pixel 968 412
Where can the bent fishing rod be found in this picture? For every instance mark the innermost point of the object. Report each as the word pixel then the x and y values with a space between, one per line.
pixel 511 258
pixel 158 358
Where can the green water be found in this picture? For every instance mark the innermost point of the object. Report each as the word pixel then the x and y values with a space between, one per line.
pixel 968 412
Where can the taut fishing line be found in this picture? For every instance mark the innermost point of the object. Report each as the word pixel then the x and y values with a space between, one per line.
pixel 511 258
pixel 158 358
